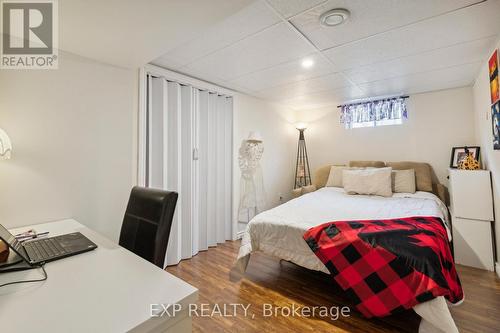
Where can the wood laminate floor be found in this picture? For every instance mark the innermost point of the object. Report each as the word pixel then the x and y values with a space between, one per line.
pixel 269 281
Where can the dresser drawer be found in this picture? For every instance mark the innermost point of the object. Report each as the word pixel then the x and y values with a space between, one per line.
pixel 473 243
pixel 471 194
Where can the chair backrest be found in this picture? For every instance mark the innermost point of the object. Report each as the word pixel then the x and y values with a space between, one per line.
pixel 147 222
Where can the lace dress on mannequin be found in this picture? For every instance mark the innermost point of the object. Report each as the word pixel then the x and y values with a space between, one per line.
pixel 252 194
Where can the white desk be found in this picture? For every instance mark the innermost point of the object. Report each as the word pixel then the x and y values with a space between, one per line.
pixel 106 290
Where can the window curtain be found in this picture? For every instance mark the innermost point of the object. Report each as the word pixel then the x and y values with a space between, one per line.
pixel 374 113
pixel 189 150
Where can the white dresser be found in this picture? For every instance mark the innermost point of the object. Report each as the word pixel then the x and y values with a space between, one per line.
pixel 472 216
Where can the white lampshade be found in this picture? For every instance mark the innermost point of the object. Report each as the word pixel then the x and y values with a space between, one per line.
pixel 254 136
pixel 5 145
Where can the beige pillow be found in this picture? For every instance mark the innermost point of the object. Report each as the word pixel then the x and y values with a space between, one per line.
pixel 368 181
pixel 423 173
pixel 321 176
pixel 335 176
pixel 403 181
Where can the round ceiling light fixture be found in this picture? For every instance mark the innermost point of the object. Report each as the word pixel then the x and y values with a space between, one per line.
pixel 307 63
pixel 334 17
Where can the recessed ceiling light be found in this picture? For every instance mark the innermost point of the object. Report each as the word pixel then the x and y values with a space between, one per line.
pixel 334 17
pixel 307 63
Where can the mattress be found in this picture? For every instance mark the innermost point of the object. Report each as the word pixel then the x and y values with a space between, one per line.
pixel 279 231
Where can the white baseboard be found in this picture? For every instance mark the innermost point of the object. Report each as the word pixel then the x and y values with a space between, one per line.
pixel 497 268
pixel 239 235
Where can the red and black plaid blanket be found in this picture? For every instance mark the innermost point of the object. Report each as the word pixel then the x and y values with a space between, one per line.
pixel 388 265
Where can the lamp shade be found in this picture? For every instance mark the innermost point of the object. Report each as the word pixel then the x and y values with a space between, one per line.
pixel 5 145
pixel 254 136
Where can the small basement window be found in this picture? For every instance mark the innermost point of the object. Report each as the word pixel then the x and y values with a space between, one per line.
pixel 381 112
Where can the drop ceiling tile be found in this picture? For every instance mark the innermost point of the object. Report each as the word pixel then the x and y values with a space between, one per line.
pixel 236 87
pixel 306 87
pixel 438 32
pixel 458 54
pixel 202 74
pixel 452 77
pixel 325 98
pixel 285 73
pixel 251 19
pixel 369 18
pixel 273 46
pixel 289 8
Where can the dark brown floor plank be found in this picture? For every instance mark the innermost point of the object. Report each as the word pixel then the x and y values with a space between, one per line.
pixel 269 281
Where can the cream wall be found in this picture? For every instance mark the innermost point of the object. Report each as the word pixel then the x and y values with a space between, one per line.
pixel 72 131
pixel 484 136
pixel 253 114
pixel 437 122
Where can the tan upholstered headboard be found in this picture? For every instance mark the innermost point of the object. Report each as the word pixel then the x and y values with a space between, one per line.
pixel 426 177
pixel 367 164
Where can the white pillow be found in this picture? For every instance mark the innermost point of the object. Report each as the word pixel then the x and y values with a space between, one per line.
pixel 335 176
pixel 403 181
pixel 377 181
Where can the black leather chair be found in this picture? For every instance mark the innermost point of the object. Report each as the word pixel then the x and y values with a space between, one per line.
pixel 147 222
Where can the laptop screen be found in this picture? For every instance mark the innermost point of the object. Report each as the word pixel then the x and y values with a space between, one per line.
pixel 13 243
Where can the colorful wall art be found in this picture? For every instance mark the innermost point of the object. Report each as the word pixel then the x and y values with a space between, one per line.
pixel 494 91
pixel 495 119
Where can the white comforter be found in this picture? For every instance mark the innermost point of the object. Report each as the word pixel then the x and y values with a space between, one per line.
pixel 279 231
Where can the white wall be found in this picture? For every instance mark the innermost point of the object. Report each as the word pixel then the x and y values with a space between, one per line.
pixel 484 136
pixel 437 122
pixel 72 131
pixel 280 140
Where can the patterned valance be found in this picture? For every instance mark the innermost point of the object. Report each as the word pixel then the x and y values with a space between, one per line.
pixel 374 113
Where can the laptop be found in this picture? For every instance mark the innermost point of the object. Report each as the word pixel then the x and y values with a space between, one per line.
pixel 43 250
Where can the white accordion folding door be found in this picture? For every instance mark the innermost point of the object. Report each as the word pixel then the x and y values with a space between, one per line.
pixel 189 150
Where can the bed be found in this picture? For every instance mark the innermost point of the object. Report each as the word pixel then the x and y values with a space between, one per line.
pixel 279 232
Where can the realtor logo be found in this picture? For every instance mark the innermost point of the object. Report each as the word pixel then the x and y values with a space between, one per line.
pixel 29 34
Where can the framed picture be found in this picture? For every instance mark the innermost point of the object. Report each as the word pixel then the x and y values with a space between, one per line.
pixel 493 72
pixel 495 122
pixel 459 153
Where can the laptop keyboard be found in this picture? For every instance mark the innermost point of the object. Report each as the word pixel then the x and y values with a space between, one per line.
pixel 43 249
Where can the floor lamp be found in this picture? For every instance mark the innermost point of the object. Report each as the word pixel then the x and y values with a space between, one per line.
pixel 302 171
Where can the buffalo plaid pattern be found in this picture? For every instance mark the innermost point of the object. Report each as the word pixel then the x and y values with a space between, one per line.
pixel 385 266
